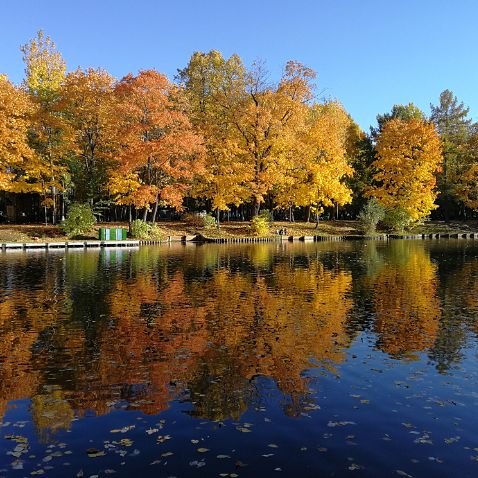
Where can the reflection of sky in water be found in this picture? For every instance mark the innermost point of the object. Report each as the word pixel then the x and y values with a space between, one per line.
pixel 248 360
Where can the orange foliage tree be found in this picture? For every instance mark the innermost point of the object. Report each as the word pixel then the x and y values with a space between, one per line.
pixel 17 159
pixel 90 106
pixel 160 153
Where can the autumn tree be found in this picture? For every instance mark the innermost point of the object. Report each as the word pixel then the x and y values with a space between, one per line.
pixel 45 75
pixel 250 125
pixel 90 106
pixel 321 163
pixel 268 121
pixel 16 157
pixel 160 152
pixel 215 87
pixel 408 157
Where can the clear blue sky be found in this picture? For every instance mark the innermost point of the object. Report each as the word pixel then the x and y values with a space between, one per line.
pixel 369 54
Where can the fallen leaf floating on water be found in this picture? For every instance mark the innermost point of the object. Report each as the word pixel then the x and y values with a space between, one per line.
pixel 17 438
pixel 150 430
pixel 203 450
pixel 273 445
pixel 402 473
pixel 221 457
pixel 452 440
pixel 344 423
pixel 123 430
pixel 93 452
pixel 17 465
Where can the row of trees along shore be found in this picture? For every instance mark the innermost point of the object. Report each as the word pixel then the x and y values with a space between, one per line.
pixel 222 137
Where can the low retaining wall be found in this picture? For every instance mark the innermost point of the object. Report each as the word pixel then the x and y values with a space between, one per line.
pixel 228 240
pixel 68 244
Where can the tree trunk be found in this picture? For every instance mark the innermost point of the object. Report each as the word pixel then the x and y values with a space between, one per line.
pixel 257 207
pixel 62 206
pixel 218 216
pixel 155 210
pixel 145 214
pixel 308 213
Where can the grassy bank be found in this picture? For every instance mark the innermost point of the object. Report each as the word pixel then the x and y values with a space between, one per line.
pixel 42 233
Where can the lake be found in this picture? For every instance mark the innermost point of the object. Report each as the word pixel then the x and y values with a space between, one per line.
pixel 278 359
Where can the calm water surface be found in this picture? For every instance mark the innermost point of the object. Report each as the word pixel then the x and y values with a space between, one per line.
pixel 346 359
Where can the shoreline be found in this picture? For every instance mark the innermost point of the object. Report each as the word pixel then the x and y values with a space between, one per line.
pixel 201 239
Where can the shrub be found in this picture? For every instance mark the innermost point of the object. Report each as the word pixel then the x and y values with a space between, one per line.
pixel 155 233
pixel 79 220
pixel 139 229
pixel 267 215
pixel 142 230
pixel 199 220
pixel 260 226
pixel 370 215
pixel 209 221
pixel 397 219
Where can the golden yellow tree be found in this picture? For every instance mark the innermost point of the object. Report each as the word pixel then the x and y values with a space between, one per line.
pixel 16 156
pixel 408 157
pixel 45 75
pixel 320 163
pixel 268 121
pixel 215 86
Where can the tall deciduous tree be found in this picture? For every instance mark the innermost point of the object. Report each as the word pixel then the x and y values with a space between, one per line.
pixel 159 146
pixel 45 76
pixel 268 122
pixel 408 157
pixel 16 156
pixel 215 87
pixel 320 165
pixel 90 106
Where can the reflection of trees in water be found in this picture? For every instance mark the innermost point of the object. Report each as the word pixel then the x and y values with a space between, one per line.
pixel 459 304
pixel 406 306
pixel 153 328
pixel 206 323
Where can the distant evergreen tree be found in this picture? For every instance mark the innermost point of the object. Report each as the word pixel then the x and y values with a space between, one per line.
pixel 454 127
